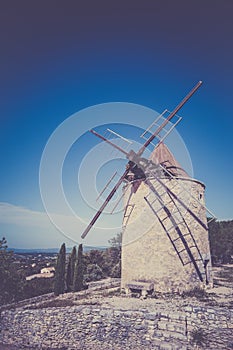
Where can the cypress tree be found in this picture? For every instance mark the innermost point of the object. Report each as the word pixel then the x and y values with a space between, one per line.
pixel 78 272
pixel 70 270
pixel 59 283
pixel 12 283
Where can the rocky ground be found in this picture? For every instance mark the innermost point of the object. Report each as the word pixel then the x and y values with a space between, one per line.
pixel 8 347
pixel 221 295
pixel 223 285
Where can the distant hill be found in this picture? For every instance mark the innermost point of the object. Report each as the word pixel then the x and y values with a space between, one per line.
pixel 51 250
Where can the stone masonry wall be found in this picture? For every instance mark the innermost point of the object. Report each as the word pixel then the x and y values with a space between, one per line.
pixel 147 252
pixel 97 327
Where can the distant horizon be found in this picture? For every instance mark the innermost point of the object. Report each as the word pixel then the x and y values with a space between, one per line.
pixel 69 247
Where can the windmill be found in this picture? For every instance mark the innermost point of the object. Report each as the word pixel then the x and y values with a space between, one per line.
pixel 158 192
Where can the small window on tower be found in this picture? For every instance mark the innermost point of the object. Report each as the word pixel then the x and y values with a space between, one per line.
pixel 200 196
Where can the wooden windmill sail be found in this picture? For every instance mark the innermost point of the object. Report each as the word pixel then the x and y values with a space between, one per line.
pixel 164 188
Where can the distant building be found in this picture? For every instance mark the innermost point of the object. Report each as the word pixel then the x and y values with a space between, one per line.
pixel 47 270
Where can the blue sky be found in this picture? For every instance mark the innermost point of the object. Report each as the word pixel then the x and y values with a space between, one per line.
pixel 59 57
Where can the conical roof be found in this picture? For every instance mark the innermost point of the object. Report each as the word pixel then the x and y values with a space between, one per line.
pixel 162 155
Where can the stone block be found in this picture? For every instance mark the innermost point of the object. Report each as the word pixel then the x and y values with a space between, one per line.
pixel 118 313
pixel 210 311
pixel 211 316
pixel 197 309
pixel 151 316
pixel 165 346
pixel 170 327
pixel 129 314
pixel 106 313
pixel 181 328
pixel 176 316
pixel 97 319
pixel 179 336
pixel 95 310
pixel 86 311
pixel 125 323
pixel 188 309
pixel 139 327
pixel 158 334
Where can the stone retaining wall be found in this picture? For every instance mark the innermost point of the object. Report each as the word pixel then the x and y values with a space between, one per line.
pixel 97 327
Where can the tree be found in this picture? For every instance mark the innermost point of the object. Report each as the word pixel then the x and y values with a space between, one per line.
pixel 59 283
pixel 11 285
pixel 70 270
pixel 38 286
pixel 94 273
pixel 116 270
pixel 114 255
pixel 221 242
pixel 116 242
pixel 106 263
pixel 78 271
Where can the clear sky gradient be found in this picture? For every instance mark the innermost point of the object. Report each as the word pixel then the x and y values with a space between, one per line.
pixel 59 57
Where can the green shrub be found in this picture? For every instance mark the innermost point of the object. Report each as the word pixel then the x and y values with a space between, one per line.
pixel 196 292
pixel 199 337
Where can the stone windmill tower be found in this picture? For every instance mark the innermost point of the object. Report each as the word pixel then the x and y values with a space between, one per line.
pixel 165 238
pixel 165 235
